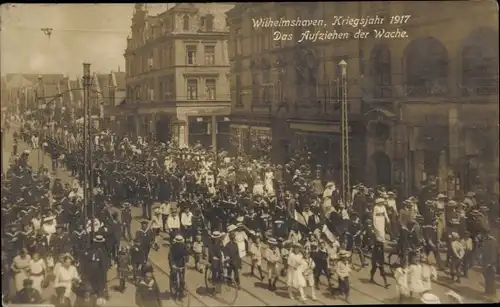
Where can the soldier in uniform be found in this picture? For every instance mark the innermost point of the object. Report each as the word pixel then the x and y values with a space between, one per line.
pixel 28 295
pixel 61 242
pixel 126 218
pixel 28 239
pixel 84 297
pixel 137 258
pixel 13 242
pixel 79 239
pixel 147 291
pixel 320 257
pixel 96 266
pixel 145 236
pixel 490 257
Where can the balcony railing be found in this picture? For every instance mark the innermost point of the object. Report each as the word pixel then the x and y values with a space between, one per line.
pixel 427 88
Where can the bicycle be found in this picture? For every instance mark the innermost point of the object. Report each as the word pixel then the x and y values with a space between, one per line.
pixel 225 283
pixel 178 294
pixel 355 248
pixel 395 258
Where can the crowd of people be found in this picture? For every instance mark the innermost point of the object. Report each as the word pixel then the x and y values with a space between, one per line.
pixel 286 219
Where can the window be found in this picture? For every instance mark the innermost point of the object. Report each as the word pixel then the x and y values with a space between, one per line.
pixel 209 23
pixel 266 81
pixel 191 55
pixel 255 88
pixel 480 63
pixel 209 55
pixel 238 41
pixel 426 68
pixel 210 85
pixel 192 89
pixel 381 71
pixel 239 95
pixel 185 23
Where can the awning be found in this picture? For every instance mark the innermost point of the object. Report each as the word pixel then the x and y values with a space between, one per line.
pixel 260 128
pixel 239 126
pixel 379 114
pixel 311 127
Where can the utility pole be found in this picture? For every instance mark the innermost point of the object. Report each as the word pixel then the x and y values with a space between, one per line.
pixel 344 109
pixel 87 143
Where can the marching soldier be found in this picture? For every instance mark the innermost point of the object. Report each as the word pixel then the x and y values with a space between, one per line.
pixel 96 266
pixel 28 239
pixel 147 291
pixel 28 295
pixel 13 242
pixel 137 258
pixel 61 242
pixel 145 237
pixel 126 218
pixel 79 239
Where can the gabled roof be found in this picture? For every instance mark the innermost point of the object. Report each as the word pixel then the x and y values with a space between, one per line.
pixel 103 80
pixel 18 80
pixel 120 80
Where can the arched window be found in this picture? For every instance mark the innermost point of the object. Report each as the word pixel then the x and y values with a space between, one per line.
pixel 426 64
pixel 209 23
pixel 380 71
pixel 185 23
pixel 480 63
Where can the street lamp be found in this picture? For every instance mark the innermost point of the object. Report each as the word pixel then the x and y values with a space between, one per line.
pixel 346 187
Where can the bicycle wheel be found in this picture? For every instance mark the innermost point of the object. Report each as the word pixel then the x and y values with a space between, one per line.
pixel 358 265
pixel 173 288
pixel 394 261
pixel 228 293
pixel 209 284
pixel 185 300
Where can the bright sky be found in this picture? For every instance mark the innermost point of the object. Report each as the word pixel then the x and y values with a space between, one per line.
pixel 94 33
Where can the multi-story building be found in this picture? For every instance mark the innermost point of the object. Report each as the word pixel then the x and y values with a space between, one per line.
pixel 422 105
pixel 178 73
pixel 288 93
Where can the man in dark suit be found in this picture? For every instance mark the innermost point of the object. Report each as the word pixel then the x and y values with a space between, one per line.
pixel 232 251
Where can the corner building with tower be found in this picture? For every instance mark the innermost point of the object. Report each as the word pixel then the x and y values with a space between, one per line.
pixel 178 74
pixel 419 108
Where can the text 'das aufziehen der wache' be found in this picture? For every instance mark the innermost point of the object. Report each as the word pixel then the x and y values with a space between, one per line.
pixel 316 29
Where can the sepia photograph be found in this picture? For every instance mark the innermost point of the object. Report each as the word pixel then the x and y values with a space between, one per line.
pixel 250 154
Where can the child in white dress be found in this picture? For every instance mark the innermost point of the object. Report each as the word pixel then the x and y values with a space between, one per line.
pixel 295 277
pixel 256 254
pixel 415 284
pixel 429 273
pixel 401 277
pixel 307 268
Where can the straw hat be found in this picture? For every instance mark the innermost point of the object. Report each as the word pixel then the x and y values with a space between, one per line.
pixel 379 201
pixel 344 254
pixel 216 234
pixel 272 241
pixel 429 298
pixel 231 228
pixel 99 239
pixel 178 239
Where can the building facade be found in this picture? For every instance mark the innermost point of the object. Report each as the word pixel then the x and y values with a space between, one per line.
pixel 178 74
pixel 288 94
pixel 422 106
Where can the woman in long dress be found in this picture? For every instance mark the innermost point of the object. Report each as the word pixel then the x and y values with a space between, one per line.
pixel 380 218
pixel 295 277
pixel 269 181
pixel 21 266
pixel 37 271
pixel 66 274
